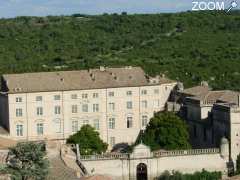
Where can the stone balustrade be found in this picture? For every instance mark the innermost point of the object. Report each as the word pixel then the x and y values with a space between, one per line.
pixel 162 153
pixel 105 156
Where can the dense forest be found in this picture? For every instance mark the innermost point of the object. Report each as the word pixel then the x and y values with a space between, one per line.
pixel 190 46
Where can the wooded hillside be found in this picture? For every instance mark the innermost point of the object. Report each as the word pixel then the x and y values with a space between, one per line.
pixel 189 47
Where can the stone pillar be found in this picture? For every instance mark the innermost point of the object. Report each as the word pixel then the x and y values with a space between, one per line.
pixel 224 149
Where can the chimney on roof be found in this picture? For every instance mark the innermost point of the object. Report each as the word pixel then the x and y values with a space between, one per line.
pixel 102 68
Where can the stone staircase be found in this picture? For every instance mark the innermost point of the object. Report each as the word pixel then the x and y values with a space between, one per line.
pixel 58 170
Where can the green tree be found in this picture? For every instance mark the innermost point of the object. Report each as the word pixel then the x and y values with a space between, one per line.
pixel 88 140
pixel 27 161
pixel 166 131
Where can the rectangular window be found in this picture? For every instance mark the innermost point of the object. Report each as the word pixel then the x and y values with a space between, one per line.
pixel 18 99
pixel 57 109
pixel 38 98
pixel 129 93
pixel 144 121
pixel 74 96
pixel 129 105
pixel 156 103
pixel 19 112
pixel 85 122
pixel 96 124
pixel 111 123
pixel 129 122
pixel 39 111
pixel 74 126
pixel 144 92
pixel 144 104
pixel 95 107
pixel 85 108
pixel 111 94
pixel 39 128
pixel 156 91
pixel 111 106
pixel 74 108
pixel 19 130
pixel 57 97
pixel 84 96
pixel 95 95
pixel 112 141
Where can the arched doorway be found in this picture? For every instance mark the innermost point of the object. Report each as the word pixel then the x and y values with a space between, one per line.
pixel 142 171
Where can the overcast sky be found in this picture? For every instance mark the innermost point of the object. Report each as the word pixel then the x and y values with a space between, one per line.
pixel 13 8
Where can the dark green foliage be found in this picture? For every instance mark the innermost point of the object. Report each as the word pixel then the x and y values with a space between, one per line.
pixel 166 131
pixel 204 175
pixel 190 47
pixel 88 140
pixel 27 161
pixel 238 165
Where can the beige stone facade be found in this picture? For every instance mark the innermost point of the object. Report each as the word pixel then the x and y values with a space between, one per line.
pixel 118 109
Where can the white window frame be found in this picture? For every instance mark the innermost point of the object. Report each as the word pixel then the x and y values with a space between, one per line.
pixel 19 112
pixel 84 96
pixel 39 111
pixel 129 122
pixel 129 105
pixel 144 104
pixel 85 108
pixel 111 94
pixel 96 124
pixel 129 93
pixel 18 99
pixel 74 108
pixel 144 92
pixel 111 123
pixel 19 130
pixel 40 129
pixel 112 141
pixel 73 96
pixel 57 97
pixel 57 110
pixel 95 107
pixel 144 120
pixel 111 106
pixel 74 126
pixel 39 98
pixel 95 95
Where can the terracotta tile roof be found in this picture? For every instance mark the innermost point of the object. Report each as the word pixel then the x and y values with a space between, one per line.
pixel 204 94
pixel 77 80
pixel 197 91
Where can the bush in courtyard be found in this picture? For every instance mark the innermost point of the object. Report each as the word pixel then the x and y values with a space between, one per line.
pixel 88 140
pixel 27 161
pixel 204 175
pixel 166 131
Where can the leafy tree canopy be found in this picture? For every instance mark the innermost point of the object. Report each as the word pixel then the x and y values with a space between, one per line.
pixel 166 131
pixel 190 46
pixel 27 161
pixel 88 140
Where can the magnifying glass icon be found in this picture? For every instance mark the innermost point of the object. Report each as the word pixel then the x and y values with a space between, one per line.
pixel 233 5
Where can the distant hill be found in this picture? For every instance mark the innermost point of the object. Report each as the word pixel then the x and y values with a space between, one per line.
pixel 190 47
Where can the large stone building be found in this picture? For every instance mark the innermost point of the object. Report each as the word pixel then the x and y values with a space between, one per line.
pixel 211 115
pixel 118 102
